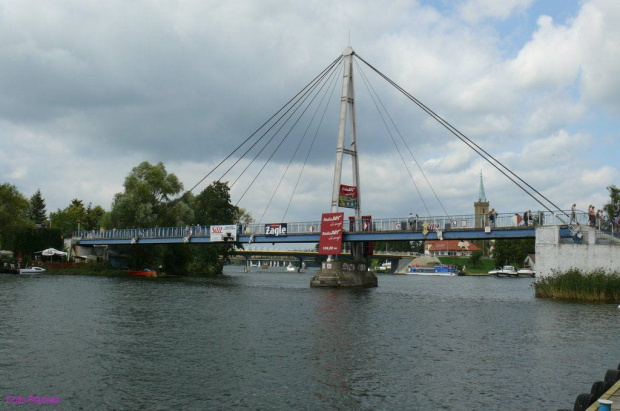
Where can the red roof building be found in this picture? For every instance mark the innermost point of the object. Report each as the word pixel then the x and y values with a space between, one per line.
pixel 456 248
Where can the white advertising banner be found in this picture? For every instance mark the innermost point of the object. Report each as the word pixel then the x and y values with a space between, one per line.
pixel 221 233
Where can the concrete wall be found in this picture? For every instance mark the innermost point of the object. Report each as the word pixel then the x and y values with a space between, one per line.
pixel 552 255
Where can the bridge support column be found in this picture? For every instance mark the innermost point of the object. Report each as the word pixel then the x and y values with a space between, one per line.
pixel 344 274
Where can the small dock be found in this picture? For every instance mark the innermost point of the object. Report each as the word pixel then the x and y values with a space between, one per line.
pixel 613 395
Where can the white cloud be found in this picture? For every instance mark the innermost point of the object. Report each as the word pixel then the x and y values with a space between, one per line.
pixel 90 90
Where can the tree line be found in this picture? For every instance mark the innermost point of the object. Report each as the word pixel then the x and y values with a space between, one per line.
pixel 151 197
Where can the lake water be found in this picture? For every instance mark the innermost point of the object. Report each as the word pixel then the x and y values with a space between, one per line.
pixel 266 340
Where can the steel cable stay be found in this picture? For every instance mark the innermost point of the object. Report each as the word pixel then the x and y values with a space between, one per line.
pixel 294 107
pixel 283 138
pixel 328 68
pixel 375 97
pixel 316 133
pixel 366 80
pixel 330 79
pixel 480 151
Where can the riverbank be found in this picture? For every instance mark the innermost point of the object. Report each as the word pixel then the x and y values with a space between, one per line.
pixel 576 285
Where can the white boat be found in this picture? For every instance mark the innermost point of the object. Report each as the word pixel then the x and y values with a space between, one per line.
pixel 32 270
pixel 506 271
pixel 436 270
pixel 526 272
pixel 291 267
pixel 386 266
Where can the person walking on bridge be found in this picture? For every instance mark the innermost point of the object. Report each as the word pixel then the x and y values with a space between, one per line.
pixel 492 215
pixel 573 214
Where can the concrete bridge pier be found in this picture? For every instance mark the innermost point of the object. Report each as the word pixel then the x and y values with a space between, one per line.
pixel 335 274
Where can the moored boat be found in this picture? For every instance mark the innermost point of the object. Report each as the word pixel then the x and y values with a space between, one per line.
pixel 526 272
pixel 32 270
pixel 505 271
pixel 437 270
pixel 143 273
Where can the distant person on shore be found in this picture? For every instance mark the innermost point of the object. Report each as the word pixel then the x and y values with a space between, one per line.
pixel 573 214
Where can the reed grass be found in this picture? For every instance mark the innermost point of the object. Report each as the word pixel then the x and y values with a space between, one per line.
pixel 576 285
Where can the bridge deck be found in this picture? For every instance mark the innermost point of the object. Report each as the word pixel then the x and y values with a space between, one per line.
pixel 390 229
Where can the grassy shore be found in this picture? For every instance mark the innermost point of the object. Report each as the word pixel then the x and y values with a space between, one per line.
pixel 575 285
pixel 485 264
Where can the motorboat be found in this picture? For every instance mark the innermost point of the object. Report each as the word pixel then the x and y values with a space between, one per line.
pixel 291 267
pixel 437 270
pixel 386 266
pixel 526 272
pixel 32 270
pixel 143 273
pixel 506 271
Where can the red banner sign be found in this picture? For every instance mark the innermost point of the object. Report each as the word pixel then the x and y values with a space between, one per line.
pixel 348 196
pixel 330 241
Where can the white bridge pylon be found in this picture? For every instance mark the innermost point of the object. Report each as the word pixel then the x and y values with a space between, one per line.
pixel 347 116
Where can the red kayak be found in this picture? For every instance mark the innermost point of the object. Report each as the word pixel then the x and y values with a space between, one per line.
pixel 143 273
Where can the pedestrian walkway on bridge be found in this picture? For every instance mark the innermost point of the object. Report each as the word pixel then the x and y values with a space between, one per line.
pixel 388 229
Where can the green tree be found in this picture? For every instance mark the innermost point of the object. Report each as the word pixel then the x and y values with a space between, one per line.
pixel 71 218
pixel 213 207
pixel 94 218
pixel 13 207
pixel 474 258
pixel 507 251
pixel 36 210
pixel 146 200
pixel 612 208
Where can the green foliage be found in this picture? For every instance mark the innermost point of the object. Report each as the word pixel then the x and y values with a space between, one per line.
pixel 485 265
pixel 37 212
pixel 474 258
pixel 94 219
pixel 404 246
pixel 512 252
pixel 575 285
pixel 612 208
pixel 29 240
pixel 213 206
pixel 146 200
pixel 13 207
pixel 72 218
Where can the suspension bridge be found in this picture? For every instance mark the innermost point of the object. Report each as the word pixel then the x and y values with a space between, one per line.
pixel 357 229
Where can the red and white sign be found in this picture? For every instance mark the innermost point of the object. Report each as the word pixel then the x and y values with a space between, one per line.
pixel 330 241
pixel 348 196
pixel 223 233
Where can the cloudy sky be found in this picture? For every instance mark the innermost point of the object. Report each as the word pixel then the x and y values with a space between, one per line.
pixel 88 90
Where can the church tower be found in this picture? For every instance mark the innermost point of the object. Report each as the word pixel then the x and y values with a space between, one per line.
pixel 481 207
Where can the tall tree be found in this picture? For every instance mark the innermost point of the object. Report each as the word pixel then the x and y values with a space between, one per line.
pixel 13 207
pixel 512 251
pixel 213 207
pixel 36 210
pixel 94 218
pixel 612 208
pixel 146 200
pixel 70 219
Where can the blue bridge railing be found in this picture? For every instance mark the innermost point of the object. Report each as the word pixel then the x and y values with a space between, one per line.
pixel 431 223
